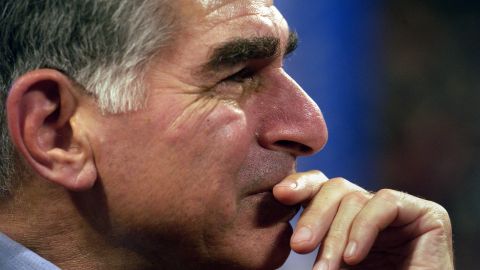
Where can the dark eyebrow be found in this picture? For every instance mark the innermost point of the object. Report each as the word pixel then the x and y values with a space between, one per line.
pixel 241 50
pixel 292 43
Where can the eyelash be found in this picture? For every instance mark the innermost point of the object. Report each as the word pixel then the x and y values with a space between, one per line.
pixel 241 76
pixel 238 84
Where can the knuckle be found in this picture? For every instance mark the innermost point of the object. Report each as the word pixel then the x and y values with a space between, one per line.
pixel 336 235
pixel 439 213
pixel 333 242
pixel 361 227
pixel 314 175
pixel 338 182
pixel 363 224
pixel 441 227
pixel 355 197
pixel 315 172
pixel 320 176
pixel 388 195
pixel 440 209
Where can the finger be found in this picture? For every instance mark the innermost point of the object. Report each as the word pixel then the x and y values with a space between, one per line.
pixel 386 208
pixel 319 214
pixel 299 187
pixel 330 255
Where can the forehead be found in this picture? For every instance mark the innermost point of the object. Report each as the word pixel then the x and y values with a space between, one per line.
pixel 205 25
pixel 214 4
pixel 208 15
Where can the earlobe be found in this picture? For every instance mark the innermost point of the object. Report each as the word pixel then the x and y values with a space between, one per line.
pixel 41 109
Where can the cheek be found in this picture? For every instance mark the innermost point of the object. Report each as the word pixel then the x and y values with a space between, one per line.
pixel 213 149
pixel 181 172
pixel 216 123
pixel 216 142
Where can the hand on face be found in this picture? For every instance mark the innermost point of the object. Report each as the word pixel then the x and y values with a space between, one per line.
pixel 357 229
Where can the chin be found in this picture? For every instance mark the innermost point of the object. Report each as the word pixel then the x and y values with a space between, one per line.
pixel 277 253
pixel 263 242
pixel 261 249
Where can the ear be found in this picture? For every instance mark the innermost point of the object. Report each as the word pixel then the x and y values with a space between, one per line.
pixel 40 111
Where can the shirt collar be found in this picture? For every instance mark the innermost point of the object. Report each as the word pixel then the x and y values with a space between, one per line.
pixel 14 256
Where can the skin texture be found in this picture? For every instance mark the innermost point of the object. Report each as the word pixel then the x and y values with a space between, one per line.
pixel 201 177
pixel 226 134
pixel 362 230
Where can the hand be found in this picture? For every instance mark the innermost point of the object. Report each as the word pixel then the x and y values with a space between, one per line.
pixel 362 230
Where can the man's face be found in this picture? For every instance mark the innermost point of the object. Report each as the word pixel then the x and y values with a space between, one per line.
pixel 191 175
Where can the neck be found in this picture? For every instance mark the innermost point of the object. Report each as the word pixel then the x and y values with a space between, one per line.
pixel 44 218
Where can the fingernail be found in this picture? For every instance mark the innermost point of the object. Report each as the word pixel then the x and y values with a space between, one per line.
pixel 351 249
pixel 288 184
pixel 302 234
pixel 322 265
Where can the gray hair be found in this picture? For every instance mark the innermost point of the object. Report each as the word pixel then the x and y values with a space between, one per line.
pixel 103 45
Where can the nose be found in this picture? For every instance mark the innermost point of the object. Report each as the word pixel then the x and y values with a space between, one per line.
pixel 292 122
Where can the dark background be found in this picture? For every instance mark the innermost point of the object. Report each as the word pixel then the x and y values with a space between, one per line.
pixel 399 85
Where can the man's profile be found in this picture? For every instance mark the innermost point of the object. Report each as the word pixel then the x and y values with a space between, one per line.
pixel 154 134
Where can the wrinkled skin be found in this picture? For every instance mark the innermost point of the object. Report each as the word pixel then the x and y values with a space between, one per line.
pixel 206 152
pixel 201 159
pixel 202 177
pixel 362 230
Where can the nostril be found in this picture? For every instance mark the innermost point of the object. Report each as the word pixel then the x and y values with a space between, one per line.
pixel 298 148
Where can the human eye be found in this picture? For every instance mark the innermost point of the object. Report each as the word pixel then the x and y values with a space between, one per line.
pixel 241 76
pixel 238 84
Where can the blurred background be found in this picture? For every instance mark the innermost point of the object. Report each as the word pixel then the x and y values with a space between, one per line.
pixel 398 82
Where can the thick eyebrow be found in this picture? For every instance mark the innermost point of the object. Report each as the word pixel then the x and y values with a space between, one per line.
pixel 241 50
pixel 292 43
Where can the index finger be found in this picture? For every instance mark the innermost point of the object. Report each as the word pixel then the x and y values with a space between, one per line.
pixel 299 187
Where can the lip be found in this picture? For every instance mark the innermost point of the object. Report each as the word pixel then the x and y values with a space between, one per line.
pixel 270 211
pixel 266 184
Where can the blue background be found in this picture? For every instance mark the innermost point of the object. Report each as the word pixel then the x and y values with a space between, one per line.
pixel 336 63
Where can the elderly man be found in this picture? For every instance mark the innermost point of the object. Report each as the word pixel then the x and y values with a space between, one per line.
pixel 154 134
